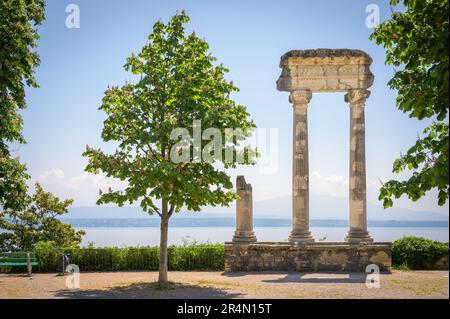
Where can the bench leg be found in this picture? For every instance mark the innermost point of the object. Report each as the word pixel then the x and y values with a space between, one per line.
pixel 29 267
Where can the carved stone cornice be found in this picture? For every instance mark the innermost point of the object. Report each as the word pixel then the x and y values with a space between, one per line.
pixel 325 70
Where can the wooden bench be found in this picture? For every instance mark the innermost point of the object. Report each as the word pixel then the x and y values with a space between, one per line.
pixel 19 259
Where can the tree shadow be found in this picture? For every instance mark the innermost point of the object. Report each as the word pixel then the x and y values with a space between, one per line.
pixel 150 290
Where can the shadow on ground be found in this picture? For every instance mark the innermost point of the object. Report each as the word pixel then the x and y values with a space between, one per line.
pixel 148 290
pixel 292 277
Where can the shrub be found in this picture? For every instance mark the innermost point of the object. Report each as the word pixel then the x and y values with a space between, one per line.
pixel 417 252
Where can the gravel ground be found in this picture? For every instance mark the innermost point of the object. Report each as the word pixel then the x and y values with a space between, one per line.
pixel 399 284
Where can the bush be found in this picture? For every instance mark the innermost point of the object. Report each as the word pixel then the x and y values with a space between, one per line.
pixel 417 252
pixel 188 257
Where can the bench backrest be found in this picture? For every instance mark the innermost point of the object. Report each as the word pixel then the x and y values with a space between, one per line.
pixel 17 257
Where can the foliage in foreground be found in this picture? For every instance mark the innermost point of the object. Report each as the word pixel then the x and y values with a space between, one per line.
pixel 416 41
pixel 417 252
pixel 38 222
pixel 18 59
pixel 27 219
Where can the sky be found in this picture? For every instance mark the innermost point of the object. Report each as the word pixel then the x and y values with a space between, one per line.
pixel 248 37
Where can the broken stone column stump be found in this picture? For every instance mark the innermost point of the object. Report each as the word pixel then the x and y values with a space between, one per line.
pixel 244 213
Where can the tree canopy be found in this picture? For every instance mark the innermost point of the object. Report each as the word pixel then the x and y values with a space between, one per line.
pixel 417 43
pixel 38 222
pixel 178 84
pixel 18 60
pixel 27 219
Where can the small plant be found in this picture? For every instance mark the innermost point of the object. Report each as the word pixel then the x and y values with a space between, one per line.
pixel 186 242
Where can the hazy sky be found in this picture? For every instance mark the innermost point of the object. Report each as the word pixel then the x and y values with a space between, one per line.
pixel 248 37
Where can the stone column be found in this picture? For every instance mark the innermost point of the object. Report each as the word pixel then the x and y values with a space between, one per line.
pixel 300 168
pixel 244 212
pixel 357 183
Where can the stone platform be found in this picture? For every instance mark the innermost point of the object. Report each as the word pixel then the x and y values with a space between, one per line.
pixel 319 256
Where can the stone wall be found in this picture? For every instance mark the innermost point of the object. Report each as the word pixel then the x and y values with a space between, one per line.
pixel 441 264
pixel 306 256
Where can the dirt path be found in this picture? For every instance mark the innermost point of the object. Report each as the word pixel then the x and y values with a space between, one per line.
pixel 399 284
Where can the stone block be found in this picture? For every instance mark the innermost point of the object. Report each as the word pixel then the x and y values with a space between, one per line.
pixel 307 257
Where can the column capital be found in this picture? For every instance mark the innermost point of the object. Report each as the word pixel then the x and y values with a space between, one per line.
pixel 300 97
pixel 357 96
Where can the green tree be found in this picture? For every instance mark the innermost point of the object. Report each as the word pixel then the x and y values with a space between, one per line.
pixel 178 84
pixel 417 41
pixel 28 219
pixel 18 36
pixel 38 222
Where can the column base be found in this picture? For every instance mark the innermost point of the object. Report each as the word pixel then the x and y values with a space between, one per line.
pixel 244 237
pixel 358 237
pixel 301 236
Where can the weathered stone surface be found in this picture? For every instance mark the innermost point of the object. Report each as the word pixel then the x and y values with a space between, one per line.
pixel 357 175
pixel 325 70
pixel 244 212
pixel 300 167
pixel 441 264
pixel 324 54
pixel 306 256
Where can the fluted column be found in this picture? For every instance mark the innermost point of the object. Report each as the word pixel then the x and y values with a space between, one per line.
pixel 357 183
pixel 300 168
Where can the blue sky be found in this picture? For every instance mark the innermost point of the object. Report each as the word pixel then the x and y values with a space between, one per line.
pixel 248 37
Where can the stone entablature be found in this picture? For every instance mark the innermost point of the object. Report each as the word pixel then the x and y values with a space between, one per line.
pixel 325 70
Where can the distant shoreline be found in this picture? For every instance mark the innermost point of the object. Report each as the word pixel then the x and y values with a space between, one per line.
pixel 230 222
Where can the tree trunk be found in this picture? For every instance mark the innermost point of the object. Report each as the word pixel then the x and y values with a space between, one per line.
pixel 164 227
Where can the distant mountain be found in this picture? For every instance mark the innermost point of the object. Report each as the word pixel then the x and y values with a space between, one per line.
pixel 322 207
pixel 198 221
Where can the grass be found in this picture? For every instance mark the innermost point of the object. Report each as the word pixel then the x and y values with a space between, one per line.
pixel 425 288
pixel 154 285
pixel 217 283
pixel 403 267
pixel 164 285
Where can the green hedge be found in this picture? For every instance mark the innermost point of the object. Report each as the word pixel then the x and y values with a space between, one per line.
pixel 417 252
pixel 194 257
pixel 407 252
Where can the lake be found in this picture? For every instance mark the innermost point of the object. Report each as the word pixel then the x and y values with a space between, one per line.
pixel 142 236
